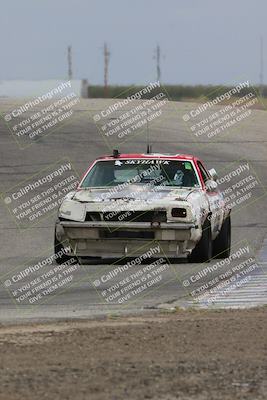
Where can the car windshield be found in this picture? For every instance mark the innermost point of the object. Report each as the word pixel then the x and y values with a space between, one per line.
pixel 141 171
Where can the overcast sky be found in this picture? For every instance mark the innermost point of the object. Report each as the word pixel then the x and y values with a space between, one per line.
pixel 202 41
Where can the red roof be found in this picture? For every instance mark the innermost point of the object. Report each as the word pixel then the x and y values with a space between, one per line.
pixel 148 156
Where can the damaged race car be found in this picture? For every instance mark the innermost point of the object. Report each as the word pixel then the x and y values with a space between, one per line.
pixel 125 201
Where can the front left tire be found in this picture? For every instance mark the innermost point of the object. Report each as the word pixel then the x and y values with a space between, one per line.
pixel 203 250
pixel 222 243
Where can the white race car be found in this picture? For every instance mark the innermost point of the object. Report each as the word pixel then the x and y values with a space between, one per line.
pixel 126 201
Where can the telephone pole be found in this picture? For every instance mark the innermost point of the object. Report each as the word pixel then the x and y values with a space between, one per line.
pixel 106 66
pixel 261 66
pixel 69 63
pixel 158 59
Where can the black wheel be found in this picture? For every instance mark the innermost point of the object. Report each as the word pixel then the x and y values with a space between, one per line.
pixel 222 243
pixel 57 248
pixel 203 250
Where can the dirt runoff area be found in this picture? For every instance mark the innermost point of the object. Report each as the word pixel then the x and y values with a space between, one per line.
pixel 183 355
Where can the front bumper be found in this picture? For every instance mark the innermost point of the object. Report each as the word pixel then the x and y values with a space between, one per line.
pixel 129 225
pixel 118 239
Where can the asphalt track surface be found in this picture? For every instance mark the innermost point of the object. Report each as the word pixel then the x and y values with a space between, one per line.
pixel 80 141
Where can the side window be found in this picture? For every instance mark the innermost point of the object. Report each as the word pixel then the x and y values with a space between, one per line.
pixel 204 173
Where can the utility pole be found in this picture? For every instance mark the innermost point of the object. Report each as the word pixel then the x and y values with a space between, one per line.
pixel 106 65
pixel 261 66
pixel 158 57
pixel 69 63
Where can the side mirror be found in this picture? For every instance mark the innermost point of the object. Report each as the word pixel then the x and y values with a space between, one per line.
pixel 213 174
pixel 211 185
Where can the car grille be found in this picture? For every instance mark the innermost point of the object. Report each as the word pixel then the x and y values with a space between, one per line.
pixel 127 216
pixel 135 216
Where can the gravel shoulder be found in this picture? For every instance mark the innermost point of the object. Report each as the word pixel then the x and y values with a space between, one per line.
pixel 193 354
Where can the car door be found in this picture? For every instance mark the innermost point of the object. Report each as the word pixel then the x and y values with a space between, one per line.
pixel 215 200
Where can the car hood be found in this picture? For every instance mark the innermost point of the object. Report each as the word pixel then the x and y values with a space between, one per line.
pixel 133 193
